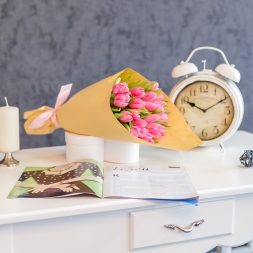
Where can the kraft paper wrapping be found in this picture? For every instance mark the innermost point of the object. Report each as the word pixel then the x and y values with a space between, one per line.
pixel 88 112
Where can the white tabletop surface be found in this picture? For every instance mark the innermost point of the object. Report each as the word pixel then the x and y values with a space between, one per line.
pixel 214 174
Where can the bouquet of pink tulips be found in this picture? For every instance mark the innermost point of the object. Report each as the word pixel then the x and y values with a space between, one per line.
pixel 140 108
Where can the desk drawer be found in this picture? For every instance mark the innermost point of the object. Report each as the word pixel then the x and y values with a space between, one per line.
pixel 147 227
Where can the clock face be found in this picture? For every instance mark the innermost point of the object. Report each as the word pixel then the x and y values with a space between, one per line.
pixel 207 108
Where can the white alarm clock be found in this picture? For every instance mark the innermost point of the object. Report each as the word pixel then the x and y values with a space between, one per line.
pixel 210 102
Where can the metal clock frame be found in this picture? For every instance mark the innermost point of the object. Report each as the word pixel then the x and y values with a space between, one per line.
pixel 226 84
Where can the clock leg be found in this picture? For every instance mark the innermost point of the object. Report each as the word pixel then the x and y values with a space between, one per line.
pixel 222 147
pixel 224 249
pixel 250 245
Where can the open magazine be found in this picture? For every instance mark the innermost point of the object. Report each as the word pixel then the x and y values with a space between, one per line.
pixel 90 177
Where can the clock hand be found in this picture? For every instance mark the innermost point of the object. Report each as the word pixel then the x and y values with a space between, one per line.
pixel 216 103
pixel 193 105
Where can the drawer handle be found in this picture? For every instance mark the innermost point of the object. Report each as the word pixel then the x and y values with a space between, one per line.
pixel 187 229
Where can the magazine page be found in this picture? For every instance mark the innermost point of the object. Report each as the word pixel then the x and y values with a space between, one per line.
pixel 81 177
pixel 172 183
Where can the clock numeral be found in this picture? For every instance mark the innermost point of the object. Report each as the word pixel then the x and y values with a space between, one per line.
pixel 204 88
pixel 204 133
pixel 227 110
pixel 215 92
pixel 184 100
pixel 224 122
pixel 193 128
pixel 224 101
pixel 182 110
pixel 216 130
pixel 186 121
pixel 193 93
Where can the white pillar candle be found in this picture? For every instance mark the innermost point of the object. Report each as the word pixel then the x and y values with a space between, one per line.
pixel 9 129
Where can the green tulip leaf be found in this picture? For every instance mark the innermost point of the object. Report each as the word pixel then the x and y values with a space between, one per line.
pixel 149 87
pixel 143 110
pixel 118 115
pixel 116 109
pixel 156 111
pixel 131 124
pixel 127 80
pixel 131 100
pixel 144 114
pixel 138 84
pixel 160 122
pixel 126 126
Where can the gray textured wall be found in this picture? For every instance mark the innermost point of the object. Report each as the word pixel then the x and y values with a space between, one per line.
pixel 45 44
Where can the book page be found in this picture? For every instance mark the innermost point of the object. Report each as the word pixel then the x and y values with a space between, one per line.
pixel 81 177
pixel 148 182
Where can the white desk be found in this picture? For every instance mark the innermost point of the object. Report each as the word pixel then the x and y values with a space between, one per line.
pixel 89 224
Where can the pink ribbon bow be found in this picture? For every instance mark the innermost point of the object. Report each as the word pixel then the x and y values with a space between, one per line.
pixel 45 116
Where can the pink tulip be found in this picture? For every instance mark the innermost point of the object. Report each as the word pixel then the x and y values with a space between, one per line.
pixel 120 88
pixel 147 137
pixel 159 102
pixel 135 131
pixel 127 116
pixel 138 92
pixel 136 116
pixel 155 86
pixel 140 122
pixel 156 130
pixel 150 95
pixel 160 97
pixel 143 132
pixel 152 118
pixel 126 113
pixel 163 116
pixel 160 107
pixel 150 106
pixel 137 104
pixel 121 100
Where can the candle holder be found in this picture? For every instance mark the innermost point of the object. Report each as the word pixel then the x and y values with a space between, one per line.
pixel 9 160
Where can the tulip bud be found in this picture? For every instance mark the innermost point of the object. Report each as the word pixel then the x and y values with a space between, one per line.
pixel 152 118
pixel 137 104
pixel 149 96
pixel 120 88
pixel 121 100
pixel 138 92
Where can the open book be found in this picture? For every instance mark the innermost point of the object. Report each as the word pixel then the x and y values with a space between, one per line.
pixel 90 177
